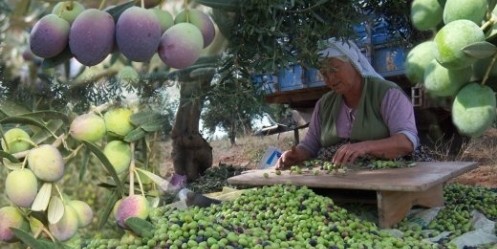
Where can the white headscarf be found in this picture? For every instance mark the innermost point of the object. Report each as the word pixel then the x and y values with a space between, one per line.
pixel 336 48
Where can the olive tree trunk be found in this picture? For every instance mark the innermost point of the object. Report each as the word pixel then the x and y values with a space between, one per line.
pixel 191 153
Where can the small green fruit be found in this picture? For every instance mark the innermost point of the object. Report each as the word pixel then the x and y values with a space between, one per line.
pixel 417 60
pixel 473 10
pixel 119 155
pixel 16 140
pixel 11 217
pixel 426 14
pixel 67 226
pixel 442 82
pixel 450 41
pixel 88 127
pixel 68 10
pixel 473 110
pixel 46 162
pixel 132 206
pixel 83 212
pixel 201 20
pixel 118 122
pixel 21 187
pixel 166 20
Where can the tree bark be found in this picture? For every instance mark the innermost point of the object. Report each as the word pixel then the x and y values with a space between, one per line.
pixel 191 153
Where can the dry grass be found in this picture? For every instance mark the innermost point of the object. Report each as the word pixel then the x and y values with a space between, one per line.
pixel 249 150
pixel 482 150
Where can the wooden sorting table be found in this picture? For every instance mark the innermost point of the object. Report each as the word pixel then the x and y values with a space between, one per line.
pixel 397 190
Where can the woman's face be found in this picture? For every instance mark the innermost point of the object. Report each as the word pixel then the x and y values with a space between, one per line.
pixel 339 75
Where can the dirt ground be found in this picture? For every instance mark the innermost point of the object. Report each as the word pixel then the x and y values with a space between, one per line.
pixel 484 151
pixel 249 151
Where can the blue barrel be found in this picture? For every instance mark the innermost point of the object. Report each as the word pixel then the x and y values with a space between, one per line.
pixel 361 38
pixel 313 77
pixel 290 78
pixel 379 32
pixel 389 60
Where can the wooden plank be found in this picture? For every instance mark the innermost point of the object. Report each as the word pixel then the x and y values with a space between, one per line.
pixel 301 98
pixel 421 177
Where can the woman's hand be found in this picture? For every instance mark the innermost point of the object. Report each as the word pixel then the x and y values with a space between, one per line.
pixel 291 157
pixel 348 153
pixel 392 147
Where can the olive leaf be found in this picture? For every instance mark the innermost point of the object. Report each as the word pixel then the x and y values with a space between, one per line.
pixel 42 198
pixel 151 127
pixel 480 50
pixel 111 202
pixel 35 225
pixel 116 11
pixel 32 242
pixel 135 135
pixel 203 72
pixel 12 166
pixel 10 157
pixel 107 165
pixel 42 135
pixel 55 210
pixel 25 120
pixel 141 227
pixel 84 164
pixel 144 117
pixel 10 108
pixel 491 5
pixel 161 182
pixel 47 115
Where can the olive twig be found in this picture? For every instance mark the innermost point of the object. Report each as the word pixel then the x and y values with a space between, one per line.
pixel 142 190
pixel 59 192
pixel 131 170
pixel 102 4
pixel 489 69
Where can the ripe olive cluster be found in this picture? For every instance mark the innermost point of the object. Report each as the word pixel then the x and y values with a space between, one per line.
pixel 456 62
pixel 280 216
pixel 90 35
pixel 37 168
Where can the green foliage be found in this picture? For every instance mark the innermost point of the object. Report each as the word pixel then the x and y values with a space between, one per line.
pixel 267 35
pixel 232 103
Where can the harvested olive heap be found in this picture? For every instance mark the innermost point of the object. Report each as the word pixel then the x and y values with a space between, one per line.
pixel 285 216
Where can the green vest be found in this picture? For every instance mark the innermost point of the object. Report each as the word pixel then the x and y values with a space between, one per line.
pixel 368 123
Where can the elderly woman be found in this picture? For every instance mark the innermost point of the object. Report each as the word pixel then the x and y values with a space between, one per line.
pixel 374 115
